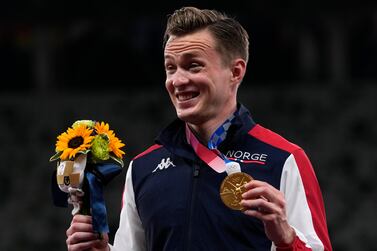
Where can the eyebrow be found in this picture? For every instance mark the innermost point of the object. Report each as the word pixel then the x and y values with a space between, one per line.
pixel 186 55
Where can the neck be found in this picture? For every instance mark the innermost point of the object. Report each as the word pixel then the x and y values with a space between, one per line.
pixel 205 130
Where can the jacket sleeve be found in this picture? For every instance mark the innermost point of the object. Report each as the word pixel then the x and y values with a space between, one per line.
pixel 130 234
pixel 304 204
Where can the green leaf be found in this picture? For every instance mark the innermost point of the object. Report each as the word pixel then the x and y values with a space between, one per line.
pixel 88 123
pixel 56 156
pixel 84 152
pixel 118 160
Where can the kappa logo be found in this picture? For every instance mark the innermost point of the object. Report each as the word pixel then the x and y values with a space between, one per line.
pixel 165 164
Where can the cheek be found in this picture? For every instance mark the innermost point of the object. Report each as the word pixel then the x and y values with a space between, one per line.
pixel 169 86
pixel 170 89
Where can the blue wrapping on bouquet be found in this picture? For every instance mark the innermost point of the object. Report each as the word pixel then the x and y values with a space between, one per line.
pixel 96 176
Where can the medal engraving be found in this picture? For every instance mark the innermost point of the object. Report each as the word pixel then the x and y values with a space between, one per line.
pixel 232 188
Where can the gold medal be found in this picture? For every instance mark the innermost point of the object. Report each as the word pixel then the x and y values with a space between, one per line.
pixel 232 188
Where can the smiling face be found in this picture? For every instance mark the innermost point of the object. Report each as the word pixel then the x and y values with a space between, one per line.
pixel 202 87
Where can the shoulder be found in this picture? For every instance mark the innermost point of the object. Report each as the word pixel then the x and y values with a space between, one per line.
pixel 148 151
pixel 283 146
pixel 273 139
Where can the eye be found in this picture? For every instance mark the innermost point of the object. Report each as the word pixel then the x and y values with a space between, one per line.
pixel 195 67
pixel 170 68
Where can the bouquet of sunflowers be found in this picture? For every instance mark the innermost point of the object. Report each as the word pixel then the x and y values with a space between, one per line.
pixel 88 156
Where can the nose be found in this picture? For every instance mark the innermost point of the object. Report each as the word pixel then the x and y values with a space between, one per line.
pixel 179 78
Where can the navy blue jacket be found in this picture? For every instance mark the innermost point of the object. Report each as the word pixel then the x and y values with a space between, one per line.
pixel 172 199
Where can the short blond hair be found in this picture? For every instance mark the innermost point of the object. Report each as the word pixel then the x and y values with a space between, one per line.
pixel 232 39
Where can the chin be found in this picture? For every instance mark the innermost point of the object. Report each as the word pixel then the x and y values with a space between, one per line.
pixel 189 117
pixel 184 116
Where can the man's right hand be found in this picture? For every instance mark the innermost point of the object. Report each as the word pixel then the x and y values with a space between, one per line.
pixel 80 235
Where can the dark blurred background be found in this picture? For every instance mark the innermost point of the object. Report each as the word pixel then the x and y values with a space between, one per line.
pixel 312 78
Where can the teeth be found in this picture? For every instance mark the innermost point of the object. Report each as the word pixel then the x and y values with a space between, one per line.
pixel 184 97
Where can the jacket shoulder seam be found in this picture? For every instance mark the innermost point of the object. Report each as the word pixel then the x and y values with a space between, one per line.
pixel 149 150
pixel 271 138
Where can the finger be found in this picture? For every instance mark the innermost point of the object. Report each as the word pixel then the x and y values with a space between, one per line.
pixel 81 222
pixel 261 205
pixel 255 193
pixel 83 245
pixel 261 215
pixel 259 189
pixel 254 204
pixel 81 237
pixel 79 227
pixel 254 213
pixel 255 183
pixel 82 218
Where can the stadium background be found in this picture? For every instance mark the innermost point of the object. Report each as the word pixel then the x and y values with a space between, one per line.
pixel 312 78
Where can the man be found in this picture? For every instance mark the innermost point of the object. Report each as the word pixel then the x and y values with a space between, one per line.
pixel 174 197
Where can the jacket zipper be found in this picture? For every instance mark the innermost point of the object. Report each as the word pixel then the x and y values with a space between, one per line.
pixel 192 204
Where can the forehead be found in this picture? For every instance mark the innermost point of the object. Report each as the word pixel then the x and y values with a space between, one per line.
pixel 199 43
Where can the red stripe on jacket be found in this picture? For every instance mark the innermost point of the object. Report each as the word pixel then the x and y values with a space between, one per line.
pixel 309 179
pixel 150 149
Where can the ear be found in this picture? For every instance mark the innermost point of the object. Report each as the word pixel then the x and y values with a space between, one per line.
pixel 238 70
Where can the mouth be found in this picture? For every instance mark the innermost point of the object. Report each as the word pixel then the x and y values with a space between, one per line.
pixel 186 96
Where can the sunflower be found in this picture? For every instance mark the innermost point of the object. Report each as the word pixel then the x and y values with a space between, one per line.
pixel 103 128
pixel 114 143
pixel 74 140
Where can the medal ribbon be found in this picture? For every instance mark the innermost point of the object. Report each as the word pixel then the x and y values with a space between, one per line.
pixel 211 155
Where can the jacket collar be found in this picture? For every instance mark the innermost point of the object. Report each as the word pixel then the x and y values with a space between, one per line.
pixel 173 137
